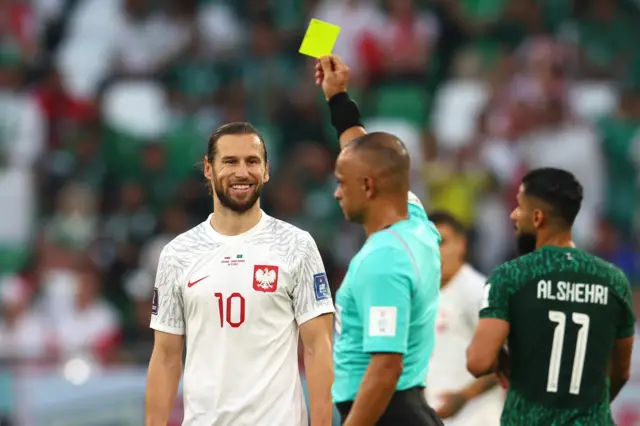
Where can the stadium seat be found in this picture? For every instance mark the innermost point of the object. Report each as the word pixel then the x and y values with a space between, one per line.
pixel 17 223
pixel 592 100
pixel 186 146
pixel 137 108
pixel 456 107
pixel 92 26
pixel 94 18
pixel 408 102
pixel 121 153
pixel 82 77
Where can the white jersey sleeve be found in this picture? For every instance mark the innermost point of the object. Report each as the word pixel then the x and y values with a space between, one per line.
pixel 311 295
pixel 167 312
pixel 475 293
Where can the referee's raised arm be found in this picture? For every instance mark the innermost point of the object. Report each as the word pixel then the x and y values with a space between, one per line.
pixel 333 76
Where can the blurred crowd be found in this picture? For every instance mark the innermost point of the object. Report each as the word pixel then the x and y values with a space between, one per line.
pixel 106 105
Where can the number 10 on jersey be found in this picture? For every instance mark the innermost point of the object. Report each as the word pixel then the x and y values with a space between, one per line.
pixel 231 309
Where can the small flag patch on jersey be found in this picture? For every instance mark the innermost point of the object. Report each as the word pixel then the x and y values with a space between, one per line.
pixel 321 286
pixel 154 302
pixel 382 321
pixel 265 278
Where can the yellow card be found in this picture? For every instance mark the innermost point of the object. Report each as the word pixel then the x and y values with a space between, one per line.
pixel 319 39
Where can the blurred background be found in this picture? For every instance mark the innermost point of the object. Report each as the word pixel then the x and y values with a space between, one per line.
pixel 106 106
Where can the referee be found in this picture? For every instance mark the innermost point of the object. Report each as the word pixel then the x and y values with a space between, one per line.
pixel 386 307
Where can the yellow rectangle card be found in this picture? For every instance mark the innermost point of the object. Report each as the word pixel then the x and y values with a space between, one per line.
pixel 319 39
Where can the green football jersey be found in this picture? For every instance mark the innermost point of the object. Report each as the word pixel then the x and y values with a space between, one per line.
pixel 565 308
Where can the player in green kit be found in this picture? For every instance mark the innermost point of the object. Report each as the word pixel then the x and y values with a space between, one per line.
pixel 565 314
pixel 387 304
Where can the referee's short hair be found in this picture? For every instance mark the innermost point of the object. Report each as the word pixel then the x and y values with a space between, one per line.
pixel 389 157
pixel 441 217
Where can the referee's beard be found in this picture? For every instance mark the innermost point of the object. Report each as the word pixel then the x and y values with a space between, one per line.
pixel 237 203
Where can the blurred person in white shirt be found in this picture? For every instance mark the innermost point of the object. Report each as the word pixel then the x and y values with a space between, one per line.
pixel 459 398
pixel 358 20
pixel 90 328
pixel 23 125
pixel 23 335
pixel 238 291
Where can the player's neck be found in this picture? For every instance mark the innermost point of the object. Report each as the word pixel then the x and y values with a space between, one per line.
pixel 556 239
pixel 229 223
pixel 445 281
pixel 383 216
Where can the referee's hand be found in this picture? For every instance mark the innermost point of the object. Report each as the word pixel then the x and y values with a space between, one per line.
pixel 332 75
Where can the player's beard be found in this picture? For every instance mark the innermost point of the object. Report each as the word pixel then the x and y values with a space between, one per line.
pixel 526 243
pixel 236 205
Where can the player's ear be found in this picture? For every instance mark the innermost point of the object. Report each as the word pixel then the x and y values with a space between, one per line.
pixel 266 172
pixel 537 218
pixel 207 168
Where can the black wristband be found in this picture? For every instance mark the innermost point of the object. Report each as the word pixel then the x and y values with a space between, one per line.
pixel 344 112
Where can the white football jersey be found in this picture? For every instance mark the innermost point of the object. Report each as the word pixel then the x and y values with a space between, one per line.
pixel 458 315
pixel 239 301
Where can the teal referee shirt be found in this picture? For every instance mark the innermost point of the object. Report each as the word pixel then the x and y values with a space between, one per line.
pixel 388 303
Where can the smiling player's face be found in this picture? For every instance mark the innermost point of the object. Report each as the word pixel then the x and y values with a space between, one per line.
pixel 239 171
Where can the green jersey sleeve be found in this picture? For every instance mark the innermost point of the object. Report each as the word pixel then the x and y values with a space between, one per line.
pixel 627 320
pixel 495 302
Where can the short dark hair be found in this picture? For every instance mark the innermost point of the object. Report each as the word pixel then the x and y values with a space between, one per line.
pixel 558 188
pixel 389 156
pixel 441 217
pixel 235 128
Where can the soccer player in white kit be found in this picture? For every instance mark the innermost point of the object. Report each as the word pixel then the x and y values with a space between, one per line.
pixel 459 398
pixel 237 289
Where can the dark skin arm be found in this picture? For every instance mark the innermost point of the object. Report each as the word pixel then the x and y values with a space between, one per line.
pixel 488 340
pixel 620 365
pixel 455 401
pixel 377 388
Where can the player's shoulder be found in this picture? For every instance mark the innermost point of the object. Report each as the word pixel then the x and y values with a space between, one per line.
pixel 509 271
pixel 472 277
pixel 281 235
pixel 284 240
pixel 604 266
pixel 610 274
pixel 280 227
pixel 190 244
